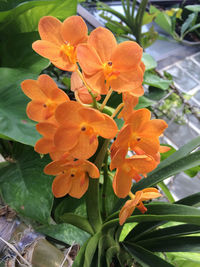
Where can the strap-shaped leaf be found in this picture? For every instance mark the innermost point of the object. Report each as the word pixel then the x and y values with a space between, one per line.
pixel 190 200
pixel 140 229
pixel 183 151
pixel 173 244
pixel 145 257
pixel 160 174
pixel 162 212
pixel 105 242
pixel 79 260
pixel 172 231
pixel 111 253
pixel 90 250
pixel 144 227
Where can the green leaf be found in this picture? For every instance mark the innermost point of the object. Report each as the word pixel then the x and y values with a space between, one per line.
pixel 110 197
pixel 161 212
pixel 19 54
pixel 14 124
pixel 193 171
pixel 144 102
pixel 78 221
pixel 164 21
pixel 90 249
pixel 105 242
pixel 25 17
pixel 172 231
pixel 154 80
pixel 24 187
pixel 172 244
pixel 191 200
pixel 66 233
pixel 166 191
pixel 168 170
pixel 149 62
pixel 183 259
pixel 193 8
pixel 70 204
pixel 145 257
pixel 149 37
pixel 183 151
pixel 187 23
pixel 79 259
pixel 111 253
pixel 155 94
pixel 193 28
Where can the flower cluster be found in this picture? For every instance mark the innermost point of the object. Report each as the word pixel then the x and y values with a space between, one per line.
pixel 70 129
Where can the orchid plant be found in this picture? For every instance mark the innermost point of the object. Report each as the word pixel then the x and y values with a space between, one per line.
pixel 86 145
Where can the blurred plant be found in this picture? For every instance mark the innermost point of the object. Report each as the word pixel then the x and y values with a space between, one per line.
pixel 131 22
pixel 170 20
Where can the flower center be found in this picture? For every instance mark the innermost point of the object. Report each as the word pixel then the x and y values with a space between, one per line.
pixel 69 51
pixel 50 107
pixel 109 72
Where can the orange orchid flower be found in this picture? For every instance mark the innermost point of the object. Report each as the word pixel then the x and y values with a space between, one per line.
pixel 136 202
pixel 102 59
pixel 60 40
pixel 141 132
pixel 80 127
pixel 45 95
pixel 78 87
pixel 129 169
pixel 45 144
pixel 72 177
pixel 130 101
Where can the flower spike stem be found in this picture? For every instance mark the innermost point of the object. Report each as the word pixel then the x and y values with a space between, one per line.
pixel 117 110
pixel 92 199
pixel 89 89
pixel 105 186
pixel 106 99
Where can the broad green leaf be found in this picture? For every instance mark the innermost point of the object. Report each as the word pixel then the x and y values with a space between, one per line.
pixel 187 23
pixel 14 124
pixel 90 249
pixel 168 170
pixel 78 221
pixel 70 204
pixel 25 17
pixel 147 18
pixel 24 186
pixel 144 102
pixel 64 232
pixel 19 54
pixel 164 21
pixel 193 8
pixel 145 257
pixel 155 94
pixel 149 61
pixel 194 28
pixel 149 37
pixel 154 80
pixel 172 244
